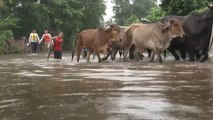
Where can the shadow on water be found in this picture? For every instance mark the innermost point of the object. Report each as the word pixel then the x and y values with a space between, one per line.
pixel 32 88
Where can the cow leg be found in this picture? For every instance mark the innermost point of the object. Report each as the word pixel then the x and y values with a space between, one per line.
pixel 78 53
pixel 159 58
pixel 114 52
pixel 94 54
pixel 109 52
pixel 192 56
pixel 98 55
pixel 120 53
pixel 172 50
pixel 204 56
pixel 84 52
pixel 88 56
pixel 106 57
pixel 126 50
pixel 89 52
pixel 149 52
pixel 136 54
pixel 152 56
pixel 131 52
pixel 183 54
pixel 125 55
pixel 198 55
pixel 79 48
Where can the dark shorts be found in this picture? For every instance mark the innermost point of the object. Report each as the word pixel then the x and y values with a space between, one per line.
pixel 58 54
pixel 34 47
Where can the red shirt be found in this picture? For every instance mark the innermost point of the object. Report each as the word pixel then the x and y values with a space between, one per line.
pixel 58 44
pixel 47 37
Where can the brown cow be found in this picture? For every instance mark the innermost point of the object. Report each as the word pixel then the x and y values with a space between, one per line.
pixel 127 42
pixel 156 37
pixel 96 40
pixel 117 46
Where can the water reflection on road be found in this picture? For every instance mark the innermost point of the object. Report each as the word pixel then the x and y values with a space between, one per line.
pixel 32 88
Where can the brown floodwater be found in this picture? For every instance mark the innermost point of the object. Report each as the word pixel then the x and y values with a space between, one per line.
pixel 32 88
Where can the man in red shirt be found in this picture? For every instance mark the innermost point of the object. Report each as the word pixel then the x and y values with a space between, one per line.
pixel 58 46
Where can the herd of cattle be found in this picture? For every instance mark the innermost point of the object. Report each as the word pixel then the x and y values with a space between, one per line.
pixel 190 34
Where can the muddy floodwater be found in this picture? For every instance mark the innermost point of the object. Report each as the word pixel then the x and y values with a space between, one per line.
pixel 32 88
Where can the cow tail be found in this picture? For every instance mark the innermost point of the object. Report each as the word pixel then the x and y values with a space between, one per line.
pixel 73 46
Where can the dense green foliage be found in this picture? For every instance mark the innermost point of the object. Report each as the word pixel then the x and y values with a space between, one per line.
pixel 6 24
pixel 155 14
pixel 182 7
pixel 150 10
pixel 123 10
pixel 176 7
pixel 132 19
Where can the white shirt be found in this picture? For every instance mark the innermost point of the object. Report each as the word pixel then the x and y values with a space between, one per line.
pixel 33 37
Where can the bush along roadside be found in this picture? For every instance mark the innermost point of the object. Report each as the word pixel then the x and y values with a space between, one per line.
pixel 7 43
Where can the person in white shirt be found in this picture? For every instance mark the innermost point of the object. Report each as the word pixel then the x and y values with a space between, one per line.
pixel 33 40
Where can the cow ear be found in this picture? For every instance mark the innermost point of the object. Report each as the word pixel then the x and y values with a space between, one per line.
pixel 166 27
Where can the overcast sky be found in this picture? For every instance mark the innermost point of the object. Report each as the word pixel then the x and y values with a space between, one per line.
pixel 109 9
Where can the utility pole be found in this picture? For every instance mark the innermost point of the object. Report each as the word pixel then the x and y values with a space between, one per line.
pixel 131 3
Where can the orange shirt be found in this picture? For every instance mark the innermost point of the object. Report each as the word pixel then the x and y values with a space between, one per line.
pixel 47 37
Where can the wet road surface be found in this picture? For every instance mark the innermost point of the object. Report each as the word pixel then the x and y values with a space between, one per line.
pixel 33 89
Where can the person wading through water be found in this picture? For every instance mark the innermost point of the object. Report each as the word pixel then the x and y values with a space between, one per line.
pixel 58 40
pixel 47 39
pixel 33 40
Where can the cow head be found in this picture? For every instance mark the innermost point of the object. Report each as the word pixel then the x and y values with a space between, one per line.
pixel 174 27
pixel 114 31
pixel 121 37
pixel 208 15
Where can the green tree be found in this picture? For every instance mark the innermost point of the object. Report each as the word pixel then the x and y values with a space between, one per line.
pixel 123 9
pixel 132 19
pixel 155 14
pixel 182 7
pixel 6 24
pixel 93 12
pixel 75 16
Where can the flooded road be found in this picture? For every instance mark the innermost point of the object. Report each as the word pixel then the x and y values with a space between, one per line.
pixel 33 89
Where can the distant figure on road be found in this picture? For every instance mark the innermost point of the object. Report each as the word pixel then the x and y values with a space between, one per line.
pixel 47 39
pixel 33 40
pixel 58 46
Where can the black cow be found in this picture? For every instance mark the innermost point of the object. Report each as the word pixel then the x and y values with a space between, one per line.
pixel 197 27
